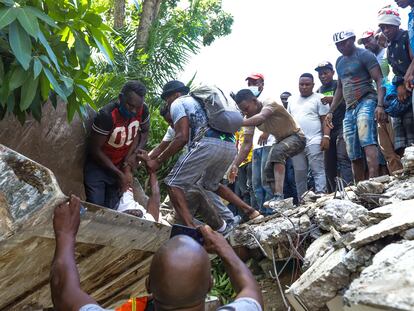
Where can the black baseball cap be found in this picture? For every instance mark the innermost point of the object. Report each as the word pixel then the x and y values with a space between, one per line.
pixel 324 65
pixel 173 87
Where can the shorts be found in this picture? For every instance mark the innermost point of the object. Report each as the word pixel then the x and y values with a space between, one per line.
pixel 360 127
pixel 281 151
pixel 206 162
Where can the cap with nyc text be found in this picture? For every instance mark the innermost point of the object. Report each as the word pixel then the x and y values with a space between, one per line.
pixel 324 65
pixel 255 76
pixel 343 35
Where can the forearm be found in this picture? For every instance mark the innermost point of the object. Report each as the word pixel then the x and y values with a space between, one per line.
pixel 242 155
pixel 174 147
pixel 64 274
pixel 153 205
pixel 381 94
pixel 337 100
pixel 241 278
pixel 143 140
pixel 154 153
pixel 254 121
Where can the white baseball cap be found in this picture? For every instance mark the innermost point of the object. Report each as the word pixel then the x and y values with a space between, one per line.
pixel 343 35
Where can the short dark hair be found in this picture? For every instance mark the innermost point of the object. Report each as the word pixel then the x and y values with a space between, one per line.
pixel 307 75
pixel 286 93
pixel 242 95
pixel 134 86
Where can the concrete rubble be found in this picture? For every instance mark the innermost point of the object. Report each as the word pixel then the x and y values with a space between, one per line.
pixel 356 247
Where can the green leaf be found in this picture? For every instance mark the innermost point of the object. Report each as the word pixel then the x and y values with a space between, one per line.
pixel 68 85
pixel 7 2
pixel 82 50
pixel 45 59
pixel 55 84
pixel 71 107
pixel 37 67
pixel 17 78
pixel 49 50
pixel 28 92
pixel 44 87
pixel 1 71
pixel 20 44
pixel 39 14
pixel 93 19
pixel 28 22
pixel 7 15
pixel 102 44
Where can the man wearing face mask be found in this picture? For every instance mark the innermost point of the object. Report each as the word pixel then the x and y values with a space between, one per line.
pixel 261 143
pixel 120 128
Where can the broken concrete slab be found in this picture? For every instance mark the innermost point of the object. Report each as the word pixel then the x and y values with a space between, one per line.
pixel 328 275
pixel 388 283
pixel 369 186
pixel 321 282
pixel 401 218
pixel 317 249
pixel 408 159
pixel 270 232
pixel 343 215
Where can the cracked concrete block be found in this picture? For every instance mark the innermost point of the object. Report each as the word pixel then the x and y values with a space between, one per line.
pixel 408 159
pixel 387 284
pixel 317 249
pixel 343 215
pixel 369 186
pixel 321 282
pixel 408 235
pixel 401 218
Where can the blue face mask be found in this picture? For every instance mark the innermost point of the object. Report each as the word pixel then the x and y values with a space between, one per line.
pixel 255 90
pixel 125 112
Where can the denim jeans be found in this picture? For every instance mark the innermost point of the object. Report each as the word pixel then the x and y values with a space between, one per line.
pixel 243 187
pixel 312 157
pixel 261 189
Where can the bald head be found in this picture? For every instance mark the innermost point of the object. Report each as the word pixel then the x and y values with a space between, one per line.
pixel 180 274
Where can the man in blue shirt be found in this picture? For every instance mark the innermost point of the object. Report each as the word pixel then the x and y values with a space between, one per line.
pixel 357 69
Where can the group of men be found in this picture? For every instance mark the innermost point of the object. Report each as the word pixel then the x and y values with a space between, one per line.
pixel 352 128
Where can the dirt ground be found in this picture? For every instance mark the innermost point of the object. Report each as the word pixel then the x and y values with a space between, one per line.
pixel 271 294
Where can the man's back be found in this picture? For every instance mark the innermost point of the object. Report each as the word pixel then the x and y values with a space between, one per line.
pixel 187 106
pixel 354 73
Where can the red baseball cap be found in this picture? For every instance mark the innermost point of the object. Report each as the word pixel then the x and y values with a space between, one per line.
pixel 366 34
pixel 255 76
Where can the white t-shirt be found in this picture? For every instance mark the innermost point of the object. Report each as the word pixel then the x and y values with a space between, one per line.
pixel 307 112
pixel 270 141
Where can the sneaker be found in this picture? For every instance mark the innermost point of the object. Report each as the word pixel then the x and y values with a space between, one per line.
pixel 276 198
pixel 230 226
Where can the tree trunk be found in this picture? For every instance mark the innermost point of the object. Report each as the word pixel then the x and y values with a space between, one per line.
pixel 119 13
pixel 150 10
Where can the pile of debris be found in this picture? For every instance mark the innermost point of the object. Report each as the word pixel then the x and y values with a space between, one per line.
pixel 361 255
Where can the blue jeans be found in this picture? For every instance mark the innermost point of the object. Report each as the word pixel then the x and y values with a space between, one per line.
pixel 360 127
pixel 261 189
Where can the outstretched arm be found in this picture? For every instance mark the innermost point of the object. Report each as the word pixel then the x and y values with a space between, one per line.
pixel 67 294
pixel 259 118
pixel 240 276
pixel 153 205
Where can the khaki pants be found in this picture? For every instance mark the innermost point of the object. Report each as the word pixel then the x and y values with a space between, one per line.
pixel 385 140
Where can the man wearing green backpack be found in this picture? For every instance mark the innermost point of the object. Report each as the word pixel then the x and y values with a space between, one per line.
pixel 211 150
